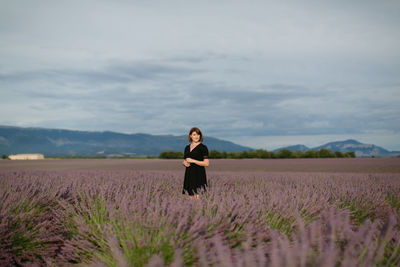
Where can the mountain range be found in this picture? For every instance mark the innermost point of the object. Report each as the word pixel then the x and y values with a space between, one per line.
pixel 351 145
pixel 58 142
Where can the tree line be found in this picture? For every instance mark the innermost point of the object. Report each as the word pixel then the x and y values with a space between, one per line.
pixel 264 154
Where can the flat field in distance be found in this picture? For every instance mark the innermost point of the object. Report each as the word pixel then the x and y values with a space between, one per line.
pixel 255 212
pixel 361 165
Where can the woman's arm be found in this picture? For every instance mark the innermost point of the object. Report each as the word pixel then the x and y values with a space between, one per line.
pixel 185 163
pixel 204 163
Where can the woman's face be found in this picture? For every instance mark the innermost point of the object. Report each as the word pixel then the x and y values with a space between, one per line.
pixel 195 137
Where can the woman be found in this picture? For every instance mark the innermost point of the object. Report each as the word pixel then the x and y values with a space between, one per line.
pixel 195 159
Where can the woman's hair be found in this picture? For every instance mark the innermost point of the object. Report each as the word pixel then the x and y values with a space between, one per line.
pixel 197 130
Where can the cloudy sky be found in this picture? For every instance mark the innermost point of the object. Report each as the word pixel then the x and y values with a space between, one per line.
pixel 260 73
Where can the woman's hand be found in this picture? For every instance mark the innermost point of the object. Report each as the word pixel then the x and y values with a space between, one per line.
pixel 190 160
pixel 185 163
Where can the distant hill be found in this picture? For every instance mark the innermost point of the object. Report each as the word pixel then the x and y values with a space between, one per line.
pixel 57 142
pixel 360 149
pixel 294 148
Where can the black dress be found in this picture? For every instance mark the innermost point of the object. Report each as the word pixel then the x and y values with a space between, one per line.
pixel 195 175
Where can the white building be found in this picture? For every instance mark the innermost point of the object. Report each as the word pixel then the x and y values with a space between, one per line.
pixel 26 156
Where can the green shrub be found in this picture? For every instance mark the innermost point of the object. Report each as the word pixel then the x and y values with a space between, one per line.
pixel 171 155
pixel 215 154
pixel 350 154
pixel 264 154
pixel 310 154
pixel 285 154
pixel 339 154
pixel 325 153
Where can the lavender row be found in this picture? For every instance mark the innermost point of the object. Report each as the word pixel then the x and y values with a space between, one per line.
pixel 140 218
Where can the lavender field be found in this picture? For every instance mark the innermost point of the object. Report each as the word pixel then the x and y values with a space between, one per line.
pixel 254 213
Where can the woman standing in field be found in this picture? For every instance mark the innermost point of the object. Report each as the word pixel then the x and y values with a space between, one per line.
pixel 195 159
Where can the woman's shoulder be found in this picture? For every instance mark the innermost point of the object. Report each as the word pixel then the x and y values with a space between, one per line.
pixel 203 145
